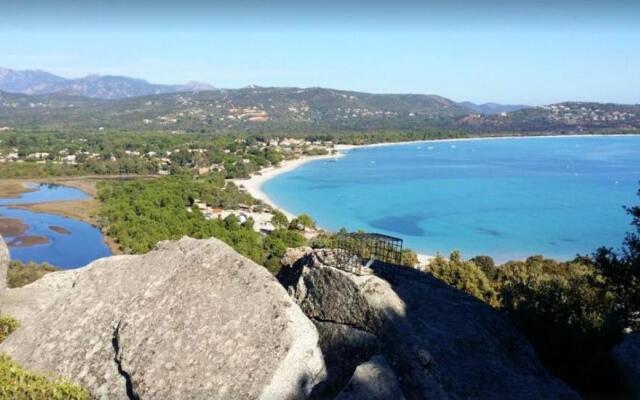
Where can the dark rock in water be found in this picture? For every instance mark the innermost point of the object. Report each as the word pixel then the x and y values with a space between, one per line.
pixel 440 342
pixel 373 380
pixel 627 356
pixel 190 320
pixel 59 229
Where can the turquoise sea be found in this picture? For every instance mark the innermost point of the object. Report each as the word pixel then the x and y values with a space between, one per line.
pixel 508 198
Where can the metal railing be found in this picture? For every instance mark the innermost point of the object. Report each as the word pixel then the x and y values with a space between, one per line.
pixel 360 249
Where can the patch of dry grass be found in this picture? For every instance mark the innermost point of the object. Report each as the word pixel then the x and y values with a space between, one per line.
pixel 84 210
pixel 13 188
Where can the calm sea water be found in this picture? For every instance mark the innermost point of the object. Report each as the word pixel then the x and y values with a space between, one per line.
pixel 83 244
pixel 508 198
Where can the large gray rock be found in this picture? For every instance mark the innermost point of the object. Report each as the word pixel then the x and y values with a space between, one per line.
pixel 440 342
pixel 4 265
pixel 189 320
pixel 627 356
pixel 373 380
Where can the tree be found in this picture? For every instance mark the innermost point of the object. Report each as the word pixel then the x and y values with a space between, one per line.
pixel 279 220
pixel 280 240
pixel 409 258
pixel 621 271
pixel 486 264
pixel 464 275
pixel 302 222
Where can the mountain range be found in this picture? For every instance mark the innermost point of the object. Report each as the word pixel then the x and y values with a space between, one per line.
pixel 94 86
pixel 37 100
pixel 120 87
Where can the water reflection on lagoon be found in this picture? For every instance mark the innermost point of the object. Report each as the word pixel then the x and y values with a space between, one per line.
pixel 60 241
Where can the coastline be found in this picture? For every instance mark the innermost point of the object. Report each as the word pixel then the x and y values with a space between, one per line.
pixel 474 139
pixel 254 184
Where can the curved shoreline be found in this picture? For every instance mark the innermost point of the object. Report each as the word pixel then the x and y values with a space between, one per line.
pixel 254 184
pixel 479 138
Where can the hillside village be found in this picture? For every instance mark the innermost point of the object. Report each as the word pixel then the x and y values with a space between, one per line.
pixel 576 113
pixel 202 159
pixel 274 110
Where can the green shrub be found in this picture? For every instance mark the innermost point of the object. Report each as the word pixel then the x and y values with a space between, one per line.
pixel 18 383
pixel 409 258
pixel 273 264
pixel 7 325
pixel 278 241
pixel 302 221
pixel 464 275
pixel 486 264
pixel 322 241
pixel 279 220
pixel 137 214
pixel 20 274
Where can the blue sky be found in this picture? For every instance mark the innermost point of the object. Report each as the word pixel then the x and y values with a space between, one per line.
pixel 502 51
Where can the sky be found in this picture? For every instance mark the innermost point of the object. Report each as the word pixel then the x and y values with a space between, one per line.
pixel 516 52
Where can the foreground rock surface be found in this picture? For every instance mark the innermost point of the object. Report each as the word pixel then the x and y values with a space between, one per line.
pixel 189 320
pixel 4 265
pixel 439 342
pixel 627 356
pixel 373 380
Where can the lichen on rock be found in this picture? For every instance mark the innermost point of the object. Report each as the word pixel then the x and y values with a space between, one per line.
pixel 191 319
pixel 4 266
pixel 439 341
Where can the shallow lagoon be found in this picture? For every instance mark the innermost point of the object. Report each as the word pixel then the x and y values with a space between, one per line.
pixel 71 243
pixel 509 198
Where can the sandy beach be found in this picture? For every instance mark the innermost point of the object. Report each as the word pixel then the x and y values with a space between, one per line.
pixel 254 184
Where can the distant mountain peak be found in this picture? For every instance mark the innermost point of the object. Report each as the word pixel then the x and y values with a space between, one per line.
pixel 492 108
pixel 197 86
pixel 93 85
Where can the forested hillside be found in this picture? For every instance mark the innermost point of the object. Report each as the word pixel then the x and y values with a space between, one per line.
pixel 294 110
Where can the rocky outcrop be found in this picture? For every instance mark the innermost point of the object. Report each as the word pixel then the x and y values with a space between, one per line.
pixel 627 357
pixel 4 265
pixel 440 342
pixel 190 320
pixel 373 380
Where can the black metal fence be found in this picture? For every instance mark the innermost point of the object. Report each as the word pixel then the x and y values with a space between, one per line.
pixel 362 247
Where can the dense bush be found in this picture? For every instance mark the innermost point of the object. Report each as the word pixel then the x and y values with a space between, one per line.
pixel 20 274
pixel 279 220
pixel 409 258
pixel 302 221
pixel 7 325
pixel 277 243
pixel 572 312
pixel 464 275
pixel 18 383
pixel 140 213
pixel 565 309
